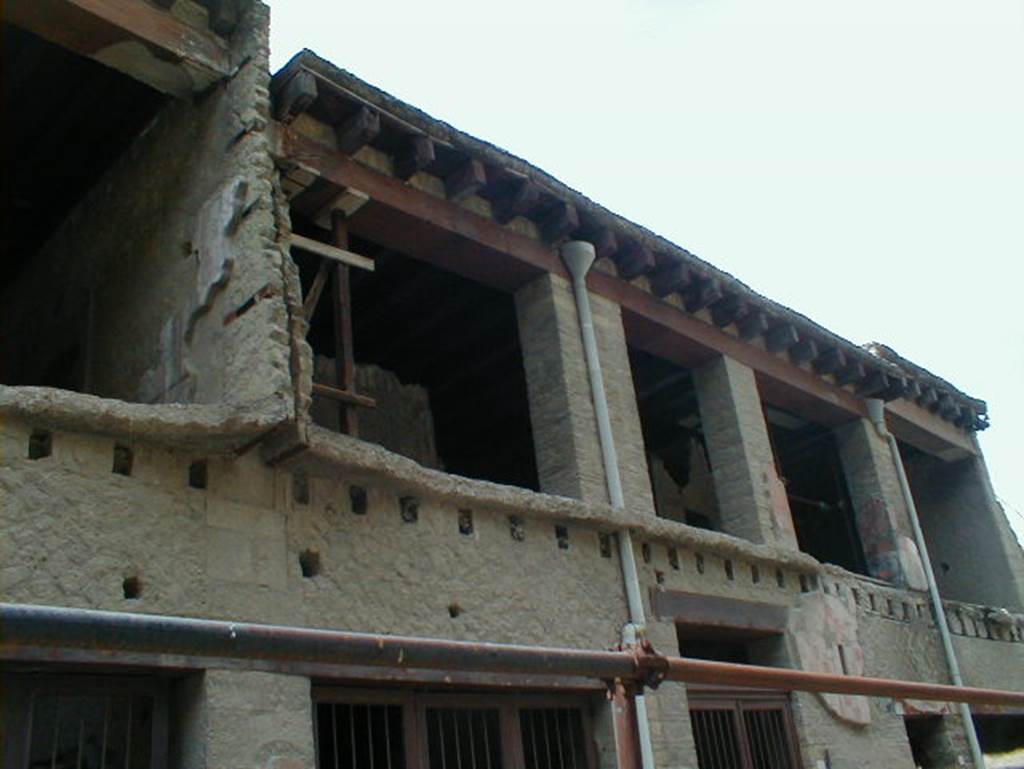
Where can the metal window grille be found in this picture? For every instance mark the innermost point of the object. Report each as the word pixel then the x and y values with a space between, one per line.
pixel 552 738
pixel 741 732
pixel 363 729
pixel 360 736
pixel 86 722
pixel 464 738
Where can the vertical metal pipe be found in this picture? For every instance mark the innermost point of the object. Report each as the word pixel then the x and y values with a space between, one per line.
pixel 579 257
pixel 876 412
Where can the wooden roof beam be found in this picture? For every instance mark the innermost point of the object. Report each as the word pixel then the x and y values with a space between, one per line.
pixel 361 128
pixel 635 260
pixel 727 309
pixel 829 361
pixel 753 324
pixel 417 154
pixel 670 278
pixel 781 338
pixel 701 294
pixel 93 28
pixel 559 222
pixel 804 351
pixel 873 384
pixel 852 372
pixel 295 96
pixel 465 181
pixel 517 201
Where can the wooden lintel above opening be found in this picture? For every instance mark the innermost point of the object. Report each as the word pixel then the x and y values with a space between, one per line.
pixel 94 28
pixel 427 226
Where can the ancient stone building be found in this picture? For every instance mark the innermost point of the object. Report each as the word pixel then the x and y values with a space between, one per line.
pixel 282 350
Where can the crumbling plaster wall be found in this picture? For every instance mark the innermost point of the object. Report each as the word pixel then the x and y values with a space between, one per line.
pixel 167 301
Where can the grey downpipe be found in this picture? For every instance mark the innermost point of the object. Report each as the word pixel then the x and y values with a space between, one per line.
pixel 876 413
pixel 578 257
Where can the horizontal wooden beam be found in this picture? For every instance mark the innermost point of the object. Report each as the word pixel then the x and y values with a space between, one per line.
pixel 343 396
pixel 100 28
pixel 332 252
pixel 462 236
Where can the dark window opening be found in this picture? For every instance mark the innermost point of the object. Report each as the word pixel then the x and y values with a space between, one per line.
pixel 56 150
pixel 929 742
pixel 1001 739
pixel 736 644
pixel 440 356
pixel 808 463
pixel 392 729
pixel 677 458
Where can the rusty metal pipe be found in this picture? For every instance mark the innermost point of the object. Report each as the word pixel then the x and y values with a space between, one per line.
pixel 57 629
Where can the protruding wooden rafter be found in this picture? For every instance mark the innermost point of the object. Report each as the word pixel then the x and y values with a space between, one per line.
pixel 804 351
pixel 727 309
pixel 466 180
pixel 634 260
pixel 417 155
pixel 361 128
pixel 702 293
pixel 559 221
pixel 520 198
pixel 830 361
pixel 673 277
pixel 752 325
pixel 295 96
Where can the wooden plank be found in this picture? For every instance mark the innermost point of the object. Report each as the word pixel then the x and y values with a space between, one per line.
pixel 315 290
pixel 332 252
pixel 343 396
pixel 417 154
pixel 465 180
pixel 344 356
pixel 360 129
pixel 92 27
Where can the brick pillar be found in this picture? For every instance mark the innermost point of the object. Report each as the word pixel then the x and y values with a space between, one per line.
pixel 561 405
pixel 668 708
pixel 751 500
pixel 879 510
pixel 231 718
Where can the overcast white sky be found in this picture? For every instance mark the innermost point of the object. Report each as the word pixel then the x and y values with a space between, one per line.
pixel 861 162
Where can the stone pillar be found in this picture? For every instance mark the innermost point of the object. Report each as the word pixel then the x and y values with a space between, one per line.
pixel 751 499
pixel 561 405
pixel 242 718
pixel 880 513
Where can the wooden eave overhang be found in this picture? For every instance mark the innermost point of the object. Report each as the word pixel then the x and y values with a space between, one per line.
pixel 335 131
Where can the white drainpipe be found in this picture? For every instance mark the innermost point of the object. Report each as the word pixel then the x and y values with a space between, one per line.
pixel 578 257
pixel 876 412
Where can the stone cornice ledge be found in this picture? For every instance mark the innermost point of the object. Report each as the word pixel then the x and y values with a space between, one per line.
pixel 331 454
pixel 210 427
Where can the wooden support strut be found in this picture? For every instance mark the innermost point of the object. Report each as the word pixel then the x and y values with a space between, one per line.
pixel 344 359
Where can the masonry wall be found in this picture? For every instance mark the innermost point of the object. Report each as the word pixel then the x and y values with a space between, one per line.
pixel 168 274
pixel 974 553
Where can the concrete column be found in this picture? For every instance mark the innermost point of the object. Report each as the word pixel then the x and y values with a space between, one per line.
pixel 561 406
pixel 242 719
pixel 751 499
pixel 880 513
